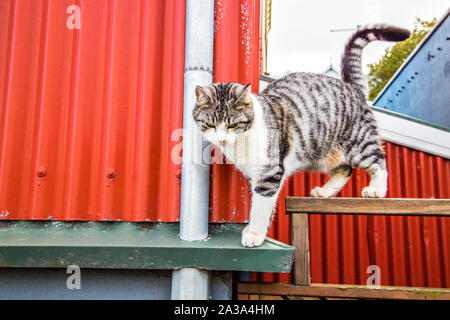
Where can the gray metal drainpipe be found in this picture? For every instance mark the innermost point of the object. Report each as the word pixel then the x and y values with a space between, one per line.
pixel 192 283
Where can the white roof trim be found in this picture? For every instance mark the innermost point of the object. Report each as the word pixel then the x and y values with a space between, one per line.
pixel 413 134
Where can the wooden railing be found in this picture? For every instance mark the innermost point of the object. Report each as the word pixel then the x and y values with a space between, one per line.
pixel 300 208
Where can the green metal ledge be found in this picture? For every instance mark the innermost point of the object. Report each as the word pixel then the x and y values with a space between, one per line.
pixel 127 245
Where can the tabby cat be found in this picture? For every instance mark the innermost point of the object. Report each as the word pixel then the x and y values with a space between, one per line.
pixel 302 121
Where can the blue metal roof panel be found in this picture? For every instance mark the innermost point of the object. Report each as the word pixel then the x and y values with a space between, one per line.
pixel 421 87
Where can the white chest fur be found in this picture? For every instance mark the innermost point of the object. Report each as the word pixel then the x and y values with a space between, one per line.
pixel 249 152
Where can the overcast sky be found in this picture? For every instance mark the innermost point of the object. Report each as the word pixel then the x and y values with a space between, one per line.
pixel 300 38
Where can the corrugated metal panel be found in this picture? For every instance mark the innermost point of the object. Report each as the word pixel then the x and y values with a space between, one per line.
pixel 236 59
pixel 410 251
pixel 86 115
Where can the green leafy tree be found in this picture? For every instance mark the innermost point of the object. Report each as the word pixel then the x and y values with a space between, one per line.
pixel 382 71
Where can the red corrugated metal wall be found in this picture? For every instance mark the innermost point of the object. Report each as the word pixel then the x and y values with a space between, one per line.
pixel 86 115
pixel 86 120
pixel 236 59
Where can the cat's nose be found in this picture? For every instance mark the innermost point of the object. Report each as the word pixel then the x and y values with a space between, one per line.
pixel 222 142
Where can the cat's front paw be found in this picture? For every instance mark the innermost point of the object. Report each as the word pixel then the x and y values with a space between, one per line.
pixel 252 239
pixel 373 192
pixel 319 192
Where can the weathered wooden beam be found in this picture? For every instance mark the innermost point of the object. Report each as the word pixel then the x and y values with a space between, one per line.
pixel 361 206
pixel 300 240
pixel 343 291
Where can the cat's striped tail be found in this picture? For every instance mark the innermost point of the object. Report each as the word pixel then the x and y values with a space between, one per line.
pixel 351 71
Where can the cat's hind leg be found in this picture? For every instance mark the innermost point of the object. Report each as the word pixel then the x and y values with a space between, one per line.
pixel 374 162
pixel 338 178
pixel 378 182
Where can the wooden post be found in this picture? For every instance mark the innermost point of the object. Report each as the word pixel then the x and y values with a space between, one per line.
pixel 300 240
pixel 342 291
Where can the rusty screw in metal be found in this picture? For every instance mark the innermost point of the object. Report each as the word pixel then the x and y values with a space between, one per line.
pixel 111 174
pixel 41 172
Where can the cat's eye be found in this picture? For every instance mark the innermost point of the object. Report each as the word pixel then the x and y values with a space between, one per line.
pixel 241 106
pixel 232 125
pixel 210 125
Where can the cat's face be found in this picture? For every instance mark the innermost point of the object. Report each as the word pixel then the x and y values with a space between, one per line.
pixel 223 111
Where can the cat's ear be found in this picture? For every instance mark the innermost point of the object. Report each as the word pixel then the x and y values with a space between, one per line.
pixel 243 96
pixel 243 92
pixel 203 96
